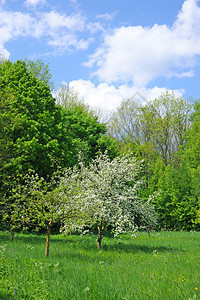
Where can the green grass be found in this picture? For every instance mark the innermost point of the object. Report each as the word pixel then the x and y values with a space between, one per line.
pixel 168 267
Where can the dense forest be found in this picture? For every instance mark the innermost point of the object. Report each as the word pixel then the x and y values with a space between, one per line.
pixel 42 138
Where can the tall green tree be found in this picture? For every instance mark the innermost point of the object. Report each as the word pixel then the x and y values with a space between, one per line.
pixel 9 119
pixel 124 122
pixel 160 124
pixel 191 149
pixel 163 134
pixel 177 205
pixel 31 133
pixel 41 71
pixel 190 156
pixel 88 134
pixel 40 143
pixel 164 122
pixel 68 98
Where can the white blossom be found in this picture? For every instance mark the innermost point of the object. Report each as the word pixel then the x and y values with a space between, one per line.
pixel 105 191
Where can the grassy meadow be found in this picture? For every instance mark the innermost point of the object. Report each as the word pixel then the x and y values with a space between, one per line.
pixel 167 267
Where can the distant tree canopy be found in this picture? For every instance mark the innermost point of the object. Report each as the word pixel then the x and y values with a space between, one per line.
pixel 160 124
pixel 40 70
pixel 88 134
pixel 165 134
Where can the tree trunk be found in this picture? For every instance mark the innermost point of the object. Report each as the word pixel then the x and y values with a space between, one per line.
pixel 101 227
pixel 149 235
pixel 100 234
pixel 12 235
pixel 47 240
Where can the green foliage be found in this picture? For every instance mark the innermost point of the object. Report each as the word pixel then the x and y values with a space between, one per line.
pixel 33 204
pixel 164 122
pixel 165 134
pixel 47 135
pixel 41 71
pixel 30 203
pixel 9 120
pixel 39 142
pixel 69 98
pixel 88 135
pixel 196 112
pixel 191 150
pixel 160 124
pixel 177 204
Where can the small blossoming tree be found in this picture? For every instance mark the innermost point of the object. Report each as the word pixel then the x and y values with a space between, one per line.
pixel 107 193
pixel 34 204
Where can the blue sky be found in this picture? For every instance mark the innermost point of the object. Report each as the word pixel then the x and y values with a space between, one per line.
pixel 108 50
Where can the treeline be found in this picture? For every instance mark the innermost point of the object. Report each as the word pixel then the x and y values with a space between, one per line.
pixel 165 134
pixel 42 135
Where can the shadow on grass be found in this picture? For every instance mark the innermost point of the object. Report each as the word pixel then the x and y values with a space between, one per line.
pixel 88 243
pixel 133 248
pixel 4 296
pixel 33 238
pixel 120 247
pixel 91 254
pixel 89 249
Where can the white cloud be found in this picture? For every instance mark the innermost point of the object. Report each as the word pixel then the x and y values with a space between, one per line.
pixel 55 21
pixel 4 53
pixel 34 2
pixel 103 95
pixel 69 40
pixel 139 54
pixel 13 25
pixel 95 27
pixel 109 97
pixel 106 16
pixel 60 30
pixel 185 74
pixel 155 92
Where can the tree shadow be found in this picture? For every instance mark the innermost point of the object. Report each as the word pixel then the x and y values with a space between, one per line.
pixel 4 238
pixel 134 248
pixel 33 238
pixel 87 244
pixel 4 296
pixel 88 254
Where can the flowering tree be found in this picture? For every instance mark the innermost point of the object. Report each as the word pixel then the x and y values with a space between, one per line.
pixel 34 205
pixel 107 193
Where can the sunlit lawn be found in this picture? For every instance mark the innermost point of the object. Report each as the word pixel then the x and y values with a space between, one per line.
pixel 168 267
